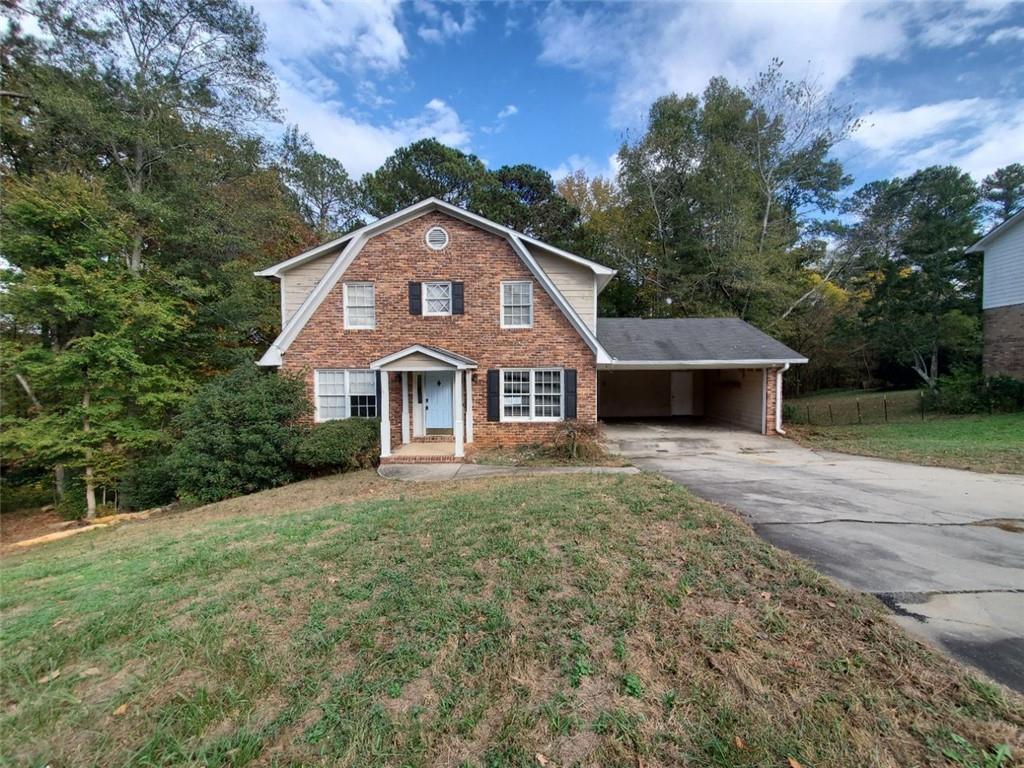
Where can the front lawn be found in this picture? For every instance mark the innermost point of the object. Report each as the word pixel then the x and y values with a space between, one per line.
pixel 564 620
pixel 982 443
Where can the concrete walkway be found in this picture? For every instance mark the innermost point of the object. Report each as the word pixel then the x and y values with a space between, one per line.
pixel 943 548
pixel 436 473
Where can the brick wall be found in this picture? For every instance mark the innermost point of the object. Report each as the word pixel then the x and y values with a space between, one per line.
pixel 1004 341
pixel 771 400
pixel 480 260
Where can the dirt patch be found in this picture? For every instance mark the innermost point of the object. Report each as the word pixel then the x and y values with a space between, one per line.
pixel 24 525
pixel 1004 524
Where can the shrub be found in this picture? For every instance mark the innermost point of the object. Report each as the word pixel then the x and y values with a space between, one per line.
pixel 965 391
pixel 150 482
pixel 340 446
pixel 238 434
pixel 578 440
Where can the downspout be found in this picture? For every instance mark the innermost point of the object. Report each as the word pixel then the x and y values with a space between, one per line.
pixel 778 399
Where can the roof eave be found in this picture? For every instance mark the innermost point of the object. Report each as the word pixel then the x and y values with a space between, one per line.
pixel 699 364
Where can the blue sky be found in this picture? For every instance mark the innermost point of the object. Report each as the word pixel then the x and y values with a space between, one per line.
pixel 559 85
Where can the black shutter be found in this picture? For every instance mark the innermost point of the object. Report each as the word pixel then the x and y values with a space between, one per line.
pixel 494 395
pixel 458 300
pixel 570 393
pixel 415 298
pixel 380 405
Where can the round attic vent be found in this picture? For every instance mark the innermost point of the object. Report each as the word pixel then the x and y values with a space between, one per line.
pixel 437 238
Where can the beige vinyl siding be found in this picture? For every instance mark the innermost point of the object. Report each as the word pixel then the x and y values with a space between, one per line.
pixel 1003 276
pixel 416 361
pixel 297 283
pixel 575 282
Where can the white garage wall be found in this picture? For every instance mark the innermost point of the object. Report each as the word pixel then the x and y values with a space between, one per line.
pixel 735 397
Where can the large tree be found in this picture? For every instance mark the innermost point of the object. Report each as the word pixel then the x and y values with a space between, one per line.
pixel 325 194
pixel 1003 191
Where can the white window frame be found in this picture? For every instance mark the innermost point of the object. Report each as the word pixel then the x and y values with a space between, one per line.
pixel 501 302
pixel 533 394
pixel 426 301
pixel 348 403
pixel 373 307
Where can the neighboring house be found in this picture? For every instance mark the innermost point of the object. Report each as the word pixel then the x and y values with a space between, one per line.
pixel 1002 298
pixel 473 334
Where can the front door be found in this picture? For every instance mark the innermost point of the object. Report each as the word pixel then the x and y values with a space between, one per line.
pixel 437 399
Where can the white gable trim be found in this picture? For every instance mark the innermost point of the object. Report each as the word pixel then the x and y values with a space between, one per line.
pixel 996 232
pixel 272 357
pixel 455 361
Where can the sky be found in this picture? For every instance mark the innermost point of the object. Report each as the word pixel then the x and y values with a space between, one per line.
pixel 561 85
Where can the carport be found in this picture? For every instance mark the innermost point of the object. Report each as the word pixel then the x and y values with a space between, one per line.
pixel 719 370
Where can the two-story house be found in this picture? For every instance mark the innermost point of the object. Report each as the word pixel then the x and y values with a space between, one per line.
pixel 452 328
pixel 1002 298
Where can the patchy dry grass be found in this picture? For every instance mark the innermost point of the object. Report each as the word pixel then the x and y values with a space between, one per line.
pixel 992 443
pixel 592 620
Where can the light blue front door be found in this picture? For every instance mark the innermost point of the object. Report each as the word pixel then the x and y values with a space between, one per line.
pixel 437 399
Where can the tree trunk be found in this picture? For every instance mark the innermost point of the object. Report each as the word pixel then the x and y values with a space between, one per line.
pixel 58 482
pixel 90 482
pixel 934 371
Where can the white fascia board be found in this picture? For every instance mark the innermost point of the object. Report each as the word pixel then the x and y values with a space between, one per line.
pixel 454 362
pixel 996 232
pixel 271 358
pixel 302 258
pixel 665 365
pixel 598 269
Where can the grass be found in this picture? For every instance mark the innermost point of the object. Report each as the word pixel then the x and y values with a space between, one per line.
pixel 838 407
pixel 545 456
pixel 992 443
pixel 598 620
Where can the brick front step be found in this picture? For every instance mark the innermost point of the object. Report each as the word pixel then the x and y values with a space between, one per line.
pixel 434 439
pixel 421 460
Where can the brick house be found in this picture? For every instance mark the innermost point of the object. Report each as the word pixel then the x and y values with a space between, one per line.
pixel 1002 298
pixel 475 335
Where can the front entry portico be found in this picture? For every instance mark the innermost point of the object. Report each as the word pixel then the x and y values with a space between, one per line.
pixel 436 396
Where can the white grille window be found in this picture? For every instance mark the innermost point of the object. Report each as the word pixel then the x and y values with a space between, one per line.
pixel 531 395
pixel 341 394
pixel 517 305
pixel 360 311
pixel 437 298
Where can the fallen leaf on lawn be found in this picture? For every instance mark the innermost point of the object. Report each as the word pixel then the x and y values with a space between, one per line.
pixel 541 760
pixel 740 743
pixel 830 604
pixel 766 595
pixel 333 579
pixel 90 672
pixel 121 710
pixel 48 677
pixel 794 763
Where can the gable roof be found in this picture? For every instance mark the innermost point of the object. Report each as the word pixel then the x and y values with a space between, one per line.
pixel 602 273
pixel 711 342
pixel 997 231
pixel 354 242
pixel 445 356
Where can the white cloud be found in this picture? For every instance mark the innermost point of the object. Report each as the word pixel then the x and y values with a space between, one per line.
pixel 648 50
pixel 508 111
pixel 609 170
pixel 978 135
pixel 889 130
pixel 356 36
pixel 442 25
pixel 946 25
pixel 1005 34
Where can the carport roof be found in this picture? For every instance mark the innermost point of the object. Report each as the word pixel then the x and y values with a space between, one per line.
pixel 691 341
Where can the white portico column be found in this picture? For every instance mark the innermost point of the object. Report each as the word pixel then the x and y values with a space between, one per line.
pixel 405 406
pixel 457 409
pixel 469 406
pixel 385 416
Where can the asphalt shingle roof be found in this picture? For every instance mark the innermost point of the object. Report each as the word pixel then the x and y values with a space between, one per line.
pixel 689 339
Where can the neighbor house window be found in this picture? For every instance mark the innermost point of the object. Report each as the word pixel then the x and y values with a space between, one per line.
pixel 531 395
pixel 341 394
pixel 517 305
pixel 437 298
pixel 359 306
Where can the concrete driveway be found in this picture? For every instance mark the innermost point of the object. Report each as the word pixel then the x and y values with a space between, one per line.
pixel 943 548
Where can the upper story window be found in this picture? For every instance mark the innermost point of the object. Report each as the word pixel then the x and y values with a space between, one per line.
pixel 437 298
pixel 343 393
pixel 437 238
pixel 360 311
pixel 517 304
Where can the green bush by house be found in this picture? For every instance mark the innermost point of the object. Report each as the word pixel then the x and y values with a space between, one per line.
pixel 339 446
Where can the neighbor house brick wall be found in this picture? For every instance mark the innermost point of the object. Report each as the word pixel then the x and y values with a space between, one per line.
pixel 1004 341
pixel 481 261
